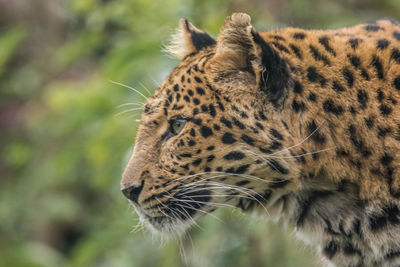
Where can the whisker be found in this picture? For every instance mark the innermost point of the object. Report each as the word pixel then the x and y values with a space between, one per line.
pixel 193 208
pixel 130 104
pixel 224 186
pixel 182 250
pixel 138 227
pixel 289 157
pixel 128 110
pixel 304 140
pixel 219 174
pixel 227 173
pixel 145 88
pixel 129 87
pixel 172 219
pixel 216 185
pixel 215 204
pixel 223 195
pixel 155 82
pixel 173 198
pixel 171 209
pixel 215 195
pixel 239 189
pixel 188 217
pixel 134 116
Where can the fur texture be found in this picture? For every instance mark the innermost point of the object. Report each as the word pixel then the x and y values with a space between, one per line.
pixel 300 125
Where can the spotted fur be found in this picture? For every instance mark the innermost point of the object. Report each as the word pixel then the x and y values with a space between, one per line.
pixel 302 125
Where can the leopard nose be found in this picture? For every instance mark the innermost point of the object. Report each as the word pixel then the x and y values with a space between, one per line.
pixel 132 192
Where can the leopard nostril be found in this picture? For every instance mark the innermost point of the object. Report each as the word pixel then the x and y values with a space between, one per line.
pixel 132 192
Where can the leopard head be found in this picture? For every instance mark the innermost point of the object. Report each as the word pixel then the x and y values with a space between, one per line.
pixel 213 135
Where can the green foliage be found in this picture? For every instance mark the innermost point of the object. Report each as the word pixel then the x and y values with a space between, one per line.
pixel 9 42
pixel 63 146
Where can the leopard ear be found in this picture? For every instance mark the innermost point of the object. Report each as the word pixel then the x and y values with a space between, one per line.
pixel 243 59
pixel 187 40
pixel 235 47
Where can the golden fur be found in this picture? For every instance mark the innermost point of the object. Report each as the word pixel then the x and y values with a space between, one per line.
pixel 303 123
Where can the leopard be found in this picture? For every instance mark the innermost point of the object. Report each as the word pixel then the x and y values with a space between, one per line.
pixel 302 126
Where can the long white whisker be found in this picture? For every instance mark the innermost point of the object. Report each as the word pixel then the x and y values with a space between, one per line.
pixel 193 208
pixel 131 104
pixel 188 215
pixel 173 198
pixel 139 227
pixel 288 157
pixel 129 87
pixel 215 204
pixel 227 187
pixel 288 148
pixel 230 187
pixel 227 174
pixel 206 182
pixel 269 163
pixel 182 250
pixel 244 190
pixel 155 82
pixel 134 116
pixel 216 195
pixel 224 175
pixel 145 88
pixel 166 215
pixel 128 110
pixel 216 185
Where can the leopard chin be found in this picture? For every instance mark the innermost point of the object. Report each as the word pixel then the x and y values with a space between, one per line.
pixel 161 225
pixel 174 216
pixel 165 226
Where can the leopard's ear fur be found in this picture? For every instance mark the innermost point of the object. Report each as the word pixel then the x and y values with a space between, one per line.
pixel 244 59
pixel 187 40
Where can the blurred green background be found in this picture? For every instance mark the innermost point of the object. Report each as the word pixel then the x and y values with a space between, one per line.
pixel 63 147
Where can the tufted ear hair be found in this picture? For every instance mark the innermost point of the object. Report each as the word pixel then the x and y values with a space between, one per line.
pixel 187 40
pixel 243 59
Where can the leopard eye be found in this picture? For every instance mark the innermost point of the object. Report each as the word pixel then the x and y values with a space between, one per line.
pixel 177 126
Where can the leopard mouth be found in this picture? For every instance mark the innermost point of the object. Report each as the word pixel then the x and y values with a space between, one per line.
pixel 177 213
